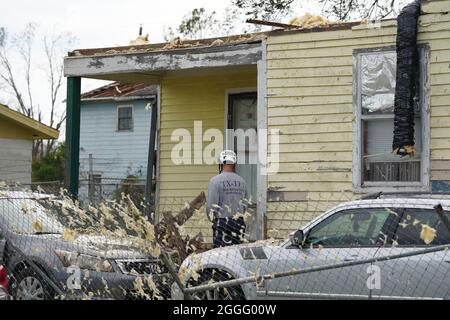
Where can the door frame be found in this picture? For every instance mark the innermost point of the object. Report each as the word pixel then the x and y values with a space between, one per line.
pixel 228 93
pixel 261 180
pixel 230 121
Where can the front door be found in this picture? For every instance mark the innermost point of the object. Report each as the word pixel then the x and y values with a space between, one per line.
pixel 242 118
pixel 242 138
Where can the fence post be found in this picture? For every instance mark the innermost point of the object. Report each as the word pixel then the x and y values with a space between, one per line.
pixel 172 270
pixel 91 187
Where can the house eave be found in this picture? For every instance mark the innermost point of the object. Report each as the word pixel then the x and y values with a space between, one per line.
pixel 155 63
pixel 118 99
pixel 38 129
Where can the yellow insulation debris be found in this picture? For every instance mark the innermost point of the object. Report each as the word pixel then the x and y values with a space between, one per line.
pixel 308 21
pixel 37 225
pixel 69 235
pixel 218 42
pixel 428 234
pixel 140 40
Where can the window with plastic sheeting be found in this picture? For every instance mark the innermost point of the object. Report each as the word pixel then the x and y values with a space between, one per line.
pixel 378 73
pixel 375 81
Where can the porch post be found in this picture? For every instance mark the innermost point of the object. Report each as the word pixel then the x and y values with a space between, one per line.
pixel 72 152
pixel 261 177
pixel 151 162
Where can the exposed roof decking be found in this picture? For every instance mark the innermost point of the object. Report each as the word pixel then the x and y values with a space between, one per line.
pixel 172 47
pixel 121 92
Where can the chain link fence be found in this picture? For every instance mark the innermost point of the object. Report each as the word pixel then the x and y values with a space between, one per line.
pixel 54 249
pixel 97 189
pixel 382 247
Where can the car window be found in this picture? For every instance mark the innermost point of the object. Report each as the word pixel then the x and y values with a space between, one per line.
pixel 27 216
pixel 356 227
pixel 422 227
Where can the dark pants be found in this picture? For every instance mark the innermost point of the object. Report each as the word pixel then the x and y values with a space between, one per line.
pixel 228 231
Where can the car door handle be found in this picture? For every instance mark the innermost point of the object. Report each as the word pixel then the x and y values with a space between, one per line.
pixel 351 258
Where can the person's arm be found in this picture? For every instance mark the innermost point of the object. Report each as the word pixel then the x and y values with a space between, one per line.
pixel 213 198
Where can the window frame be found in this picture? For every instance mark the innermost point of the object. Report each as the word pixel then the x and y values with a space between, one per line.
pixel 118 119
pixel 331 216
pixel 389 186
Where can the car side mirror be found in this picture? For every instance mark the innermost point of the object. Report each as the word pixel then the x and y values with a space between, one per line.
pixel 297 238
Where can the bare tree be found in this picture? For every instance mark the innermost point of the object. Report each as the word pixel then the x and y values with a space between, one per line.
pixel 197 24
pixel 20 83
pixel 55 47
pixel 200 23
pixel 344 10
pixel 7 74
pixel 24 43
pixel 233 21
pixel 264 9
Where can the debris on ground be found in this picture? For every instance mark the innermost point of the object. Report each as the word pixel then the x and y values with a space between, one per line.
pixel 177 43
pixel 168 230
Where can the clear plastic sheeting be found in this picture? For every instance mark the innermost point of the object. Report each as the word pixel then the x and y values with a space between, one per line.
pixel 378 74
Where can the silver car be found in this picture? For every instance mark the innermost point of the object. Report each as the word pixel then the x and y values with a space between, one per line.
pixel 383 248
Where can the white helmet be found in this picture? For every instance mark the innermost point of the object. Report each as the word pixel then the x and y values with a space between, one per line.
pixel 228 157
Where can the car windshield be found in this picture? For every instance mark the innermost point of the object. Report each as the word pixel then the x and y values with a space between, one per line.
pixel 27 216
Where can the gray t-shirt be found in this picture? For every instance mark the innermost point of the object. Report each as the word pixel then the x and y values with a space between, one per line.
pixel 227 195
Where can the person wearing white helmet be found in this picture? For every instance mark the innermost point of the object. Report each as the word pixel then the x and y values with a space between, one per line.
pixel 227 202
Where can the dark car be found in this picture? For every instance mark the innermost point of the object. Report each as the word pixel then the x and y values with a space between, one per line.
pixel 43 265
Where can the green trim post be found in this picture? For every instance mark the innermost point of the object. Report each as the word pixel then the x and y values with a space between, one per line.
pixel 72 134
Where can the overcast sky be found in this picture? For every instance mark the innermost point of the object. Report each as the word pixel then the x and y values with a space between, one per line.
pixel 108 22
pixel 100 23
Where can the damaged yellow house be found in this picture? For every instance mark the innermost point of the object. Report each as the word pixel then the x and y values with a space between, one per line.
pixel 325 94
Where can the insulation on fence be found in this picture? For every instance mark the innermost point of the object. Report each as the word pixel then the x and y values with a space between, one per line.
pixel 405 91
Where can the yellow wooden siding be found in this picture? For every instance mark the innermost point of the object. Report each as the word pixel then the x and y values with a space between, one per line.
pixel 183 101
pixel 310 100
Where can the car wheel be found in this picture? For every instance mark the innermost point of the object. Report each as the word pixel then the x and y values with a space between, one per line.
pixel 208 277
pixel 29 286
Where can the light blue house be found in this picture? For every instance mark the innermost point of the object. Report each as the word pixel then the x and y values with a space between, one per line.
pixel 114 138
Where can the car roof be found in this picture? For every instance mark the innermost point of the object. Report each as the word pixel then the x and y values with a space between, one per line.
pixel 22 195
pixel 399 201
pixel 386 201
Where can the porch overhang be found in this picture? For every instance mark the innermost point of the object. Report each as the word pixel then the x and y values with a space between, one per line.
pixel 150 64
pixel 149 67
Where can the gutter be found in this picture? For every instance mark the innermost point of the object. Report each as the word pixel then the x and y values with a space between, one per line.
pixel 128 98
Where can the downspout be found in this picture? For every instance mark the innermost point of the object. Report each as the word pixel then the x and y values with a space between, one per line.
pixel 406 84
